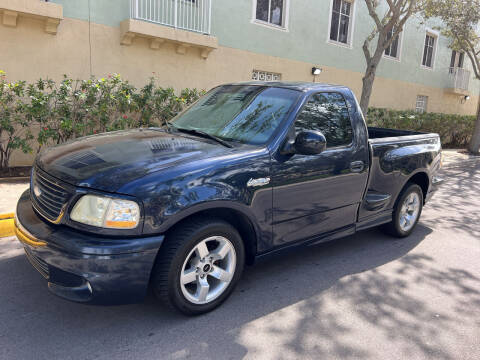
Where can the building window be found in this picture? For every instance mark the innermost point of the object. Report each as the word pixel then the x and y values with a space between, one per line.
pixel 460 60
pixel 271 11
pixel 265 76
pixel 456 61
pixel 421 105
pixel 341 21
pixel 394 49
pixel 429 51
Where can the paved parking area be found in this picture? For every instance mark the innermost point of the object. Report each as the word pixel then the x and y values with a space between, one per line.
pixel 9 194
pixel 363 297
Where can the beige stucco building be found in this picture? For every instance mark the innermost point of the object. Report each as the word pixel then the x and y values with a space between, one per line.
pixel 203 43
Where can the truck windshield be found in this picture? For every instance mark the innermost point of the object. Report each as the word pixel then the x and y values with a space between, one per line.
pixel 245 113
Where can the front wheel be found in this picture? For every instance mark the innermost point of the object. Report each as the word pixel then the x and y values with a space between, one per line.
pixel 199 265
pixel 406 213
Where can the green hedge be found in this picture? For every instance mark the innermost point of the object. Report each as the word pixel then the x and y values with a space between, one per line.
pixel 454 130
pixel 57 112
pixel 48 112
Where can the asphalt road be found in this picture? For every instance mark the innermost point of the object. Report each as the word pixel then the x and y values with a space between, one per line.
pixel 363 297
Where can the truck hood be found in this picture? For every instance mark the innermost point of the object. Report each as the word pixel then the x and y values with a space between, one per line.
pixel 109 161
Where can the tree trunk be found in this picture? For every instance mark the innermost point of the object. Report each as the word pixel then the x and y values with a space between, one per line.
pixel 370 72
pixel 474 145
pixel 5 159
pixel 367 87
pixel 2 164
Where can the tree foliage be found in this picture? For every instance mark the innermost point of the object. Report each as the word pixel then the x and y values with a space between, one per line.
pixel 461 23
pixel 59 111
pixel 389 23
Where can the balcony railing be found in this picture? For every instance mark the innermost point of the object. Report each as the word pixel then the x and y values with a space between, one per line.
pixel 459 78
pixel 191 15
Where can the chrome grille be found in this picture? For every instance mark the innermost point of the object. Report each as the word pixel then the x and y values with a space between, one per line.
pixel 48 196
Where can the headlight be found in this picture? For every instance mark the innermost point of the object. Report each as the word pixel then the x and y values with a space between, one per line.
pixel 106 212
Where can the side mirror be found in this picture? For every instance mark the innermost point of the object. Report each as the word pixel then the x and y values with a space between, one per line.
pixel 310 142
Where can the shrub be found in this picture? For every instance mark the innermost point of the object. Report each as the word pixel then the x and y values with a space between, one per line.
pixel 73 108
pixel 454 130
pixel 14 126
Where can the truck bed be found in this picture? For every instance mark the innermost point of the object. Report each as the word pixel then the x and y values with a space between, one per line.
pixel 395 156
pixel 382 135
pixel 376 132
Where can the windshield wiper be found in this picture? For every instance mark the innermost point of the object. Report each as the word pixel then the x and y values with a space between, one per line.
pixel 203 134
pixel 169 126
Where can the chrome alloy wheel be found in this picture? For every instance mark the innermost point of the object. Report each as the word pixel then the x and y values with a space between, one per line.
pixel 208 270
pixel 409 211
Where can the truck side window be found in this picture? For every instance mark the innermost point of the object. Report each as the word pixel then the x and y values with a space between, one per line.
pixel 328 113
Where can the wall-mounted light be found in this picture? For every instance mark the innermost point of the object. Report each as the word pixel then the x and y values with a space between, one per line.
pixel 316 71
pixel 464 99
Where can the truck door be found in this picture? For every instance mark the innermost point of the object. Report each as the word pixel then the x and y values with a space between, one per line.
pixel 316 194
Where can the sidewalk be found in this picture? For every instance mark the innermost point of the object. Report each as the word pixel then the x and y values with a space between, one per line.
pixel 457 157
pixel 9 194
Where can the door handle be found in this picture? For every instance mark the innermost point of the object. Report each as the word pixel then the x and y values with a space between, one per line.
pixel 357 166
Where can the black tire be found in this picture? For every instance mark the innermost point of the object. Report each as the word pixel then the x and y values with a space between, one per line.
pixel 175 250
pixel 393 228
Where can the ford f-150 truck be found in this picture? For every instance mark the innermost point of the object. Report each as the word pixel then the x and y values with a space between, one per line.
pixel 248 169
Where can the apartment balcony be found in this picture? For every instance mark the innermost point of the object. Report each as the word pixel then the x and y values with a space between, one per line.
pixel 191 15
pixel 458 81
pixel 185 23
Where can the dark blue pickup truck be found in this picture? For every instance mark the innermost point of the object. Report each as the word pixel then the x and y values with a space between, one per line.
pixel 248 169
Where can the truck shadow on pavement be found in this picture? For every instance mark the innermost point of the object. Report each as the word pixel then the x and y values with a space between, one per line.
pixel 36 324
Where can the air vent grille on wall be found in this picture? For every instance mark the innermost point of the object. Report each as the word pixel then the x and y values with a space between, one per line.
pixel 265 76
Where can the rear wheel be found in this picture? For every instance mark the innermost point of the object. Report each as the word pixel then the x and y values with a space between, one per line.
pixel 199 265
pixel 407 212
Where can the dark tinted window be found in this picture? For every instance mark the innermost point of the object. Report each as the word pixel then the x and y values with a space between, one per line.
pixel 460 59
pixel 340 21
pixel 262 10
pixel 275 16
pixel 453 59
pixel 428 51
pixel 392 50
pixel 245 113
pixel 328 113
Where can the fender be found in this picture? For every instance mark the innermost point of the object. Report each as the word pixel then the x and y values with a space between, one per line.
pixel 257 234
pixel 210 205
pixel 409 178
pixel 227 189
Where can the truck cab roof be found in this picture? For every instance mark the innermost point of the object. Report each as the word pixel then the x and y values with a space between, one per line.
pixel 293 85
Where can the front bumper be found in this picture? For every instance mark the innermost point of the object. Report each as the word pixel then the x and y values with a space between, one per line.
pixel 83 267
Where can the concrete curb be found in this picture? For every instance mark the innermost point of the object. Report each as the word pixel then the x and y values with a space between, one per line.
pixel 7 225
pixel 8 180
